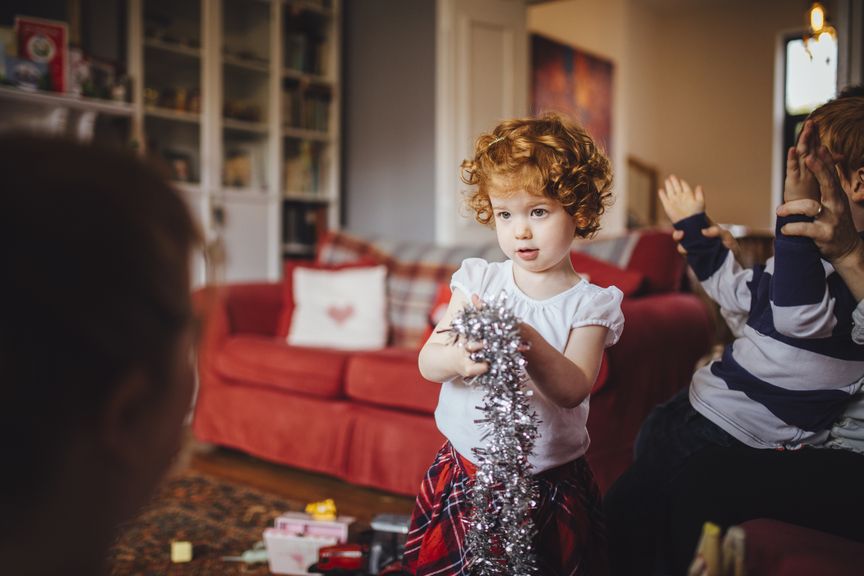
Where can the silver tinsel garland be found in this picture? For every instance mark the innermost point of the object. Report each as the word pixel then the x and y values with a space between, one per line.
pixel 501 529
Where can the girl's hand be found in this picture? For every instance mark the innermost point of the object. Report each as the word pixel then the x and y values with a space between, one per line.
pixel 680 201
pixel 465 365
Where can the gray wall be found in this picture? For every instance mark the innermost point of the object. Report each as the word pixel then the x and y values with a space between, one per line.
pixel 388 118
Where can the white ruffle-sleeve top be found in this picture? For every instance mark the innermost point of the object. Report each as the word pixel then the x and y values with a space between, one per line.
pixel 563 436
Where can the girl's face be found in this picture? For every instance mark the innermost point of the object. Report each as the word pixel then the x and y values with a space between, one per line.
pixel 534 231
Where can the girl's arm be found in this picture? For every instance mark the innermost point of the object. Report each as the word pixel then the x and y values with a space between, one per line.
pixel 565 379
pixel 440 360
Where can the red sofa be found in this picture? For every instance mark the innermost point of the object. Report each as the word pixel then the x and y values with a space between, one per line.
pixel 774 548
pixel 367 417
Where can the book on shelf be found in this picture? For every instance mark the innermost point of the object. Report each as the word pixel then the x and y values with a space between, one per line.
pixel 307 109
pixel 46 42
pixel 302 169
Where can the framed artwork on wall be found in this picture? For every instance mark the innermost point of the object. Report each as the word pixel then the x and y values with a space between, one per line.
pixel 642 183
pixel 571 81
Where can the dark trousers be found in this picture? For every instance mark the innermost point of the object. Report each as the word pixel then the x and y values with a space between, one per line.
pixel 687 471
pixel 637 504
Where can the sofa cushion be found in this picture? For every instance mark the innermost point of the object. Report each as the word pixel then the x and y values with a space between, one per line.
pixel 344 309
pixel 287 306
pixel 656 256
pixel 604 274
pixel 652 253
pixel 262 361
pixel 390 378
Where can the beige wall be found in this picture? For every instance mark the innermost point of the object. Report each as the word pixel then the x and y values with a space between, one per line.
pixel 694 87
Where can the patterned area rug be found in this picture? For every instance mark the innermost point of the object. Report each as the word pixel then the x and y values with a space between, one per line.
pixel 219 519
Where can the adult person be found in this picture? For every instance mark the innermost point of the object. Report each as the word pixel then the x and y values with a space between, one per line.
pixel 721 482
pixel 809 486
pixel 96 338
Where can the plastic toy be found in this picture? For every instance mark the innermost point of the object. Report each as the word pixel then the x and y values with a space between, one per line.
pixel 379 554
pixel 323 510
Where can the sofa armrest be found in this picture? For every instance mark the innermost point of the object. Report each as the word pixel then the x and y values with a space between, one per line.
pixel 253 308
pixel 237 309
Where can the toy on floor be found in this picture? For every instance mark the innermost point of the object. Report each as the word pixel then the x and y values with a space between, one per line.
pixel 323 510
pixel 380 553
pixel 254 555
pixel 181 551
pixel 295 539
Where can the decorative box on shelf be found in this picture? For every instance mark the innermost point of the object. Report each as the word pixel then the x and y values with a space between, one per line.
pixel 294 541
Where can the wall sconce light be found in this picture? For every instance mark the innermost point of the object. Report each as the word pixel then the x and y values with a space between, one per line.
pixel 821 33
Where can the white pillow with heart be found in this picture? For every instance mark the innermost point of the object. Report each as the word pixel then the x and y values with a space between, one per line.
pixel 344 309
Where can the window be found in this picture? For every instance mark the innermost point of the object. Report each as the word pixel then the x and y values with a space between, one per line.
pixel 810 81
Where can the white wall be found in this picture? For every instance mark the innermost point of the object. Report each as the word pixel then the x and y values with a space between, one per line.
pixel 694 89
pixel 389 118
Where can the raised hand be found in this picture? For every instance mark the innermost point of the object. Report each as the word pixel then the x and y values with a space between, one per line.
pixel 833 230
pixel 679 200
pixel 800 182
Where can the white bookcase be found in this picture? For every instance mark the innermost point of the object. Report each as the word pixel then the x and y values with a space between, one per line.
pixel 240 99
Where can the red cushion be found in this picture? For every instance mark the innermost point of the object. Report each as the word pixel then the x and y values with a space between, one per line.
pixel 270 362
pixel 391 378
pixel 284 324
pixel 604 274
pixel 442 300
pixel 656 257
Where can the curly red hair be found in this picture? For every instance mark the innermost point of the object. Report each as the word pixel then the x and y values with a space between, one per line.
pixel 549 156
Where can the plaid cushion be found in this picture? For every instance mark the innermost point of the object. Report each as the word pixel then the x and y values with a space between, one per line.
pixel 614 249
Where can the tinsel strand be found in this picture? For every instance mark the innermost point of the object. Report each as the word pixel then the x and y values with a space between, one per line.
pixel 500 527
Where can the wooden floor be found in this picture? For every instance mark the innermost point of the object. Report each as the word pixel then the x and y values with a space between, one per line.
pixel 293 484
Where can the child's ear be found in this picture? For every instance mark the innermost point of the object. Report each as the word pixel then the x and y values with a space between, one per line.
pixel 856 186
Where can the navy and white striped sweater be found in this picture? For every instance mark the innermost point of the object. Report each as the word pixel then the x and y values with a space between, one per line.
pixel 793 366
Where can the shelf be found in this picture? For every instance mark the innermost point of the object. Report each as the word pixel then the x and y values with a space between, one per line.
pixel 244 126
pixel 304 134
pixel 306 6
pixel 188 187
pixel 247 194
pixel 244 64
pixel 43 97
pixel 173 48
pixel 302 76
pixel 297 249
pixel 311 197
pixel 169 114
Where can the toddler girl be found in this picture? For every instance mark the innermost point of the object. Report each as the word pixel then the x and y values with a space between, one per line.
pixel 539 183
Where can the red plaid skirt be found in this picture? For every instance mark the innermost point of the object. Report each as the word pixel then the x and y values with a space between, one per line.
pixel 570 539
